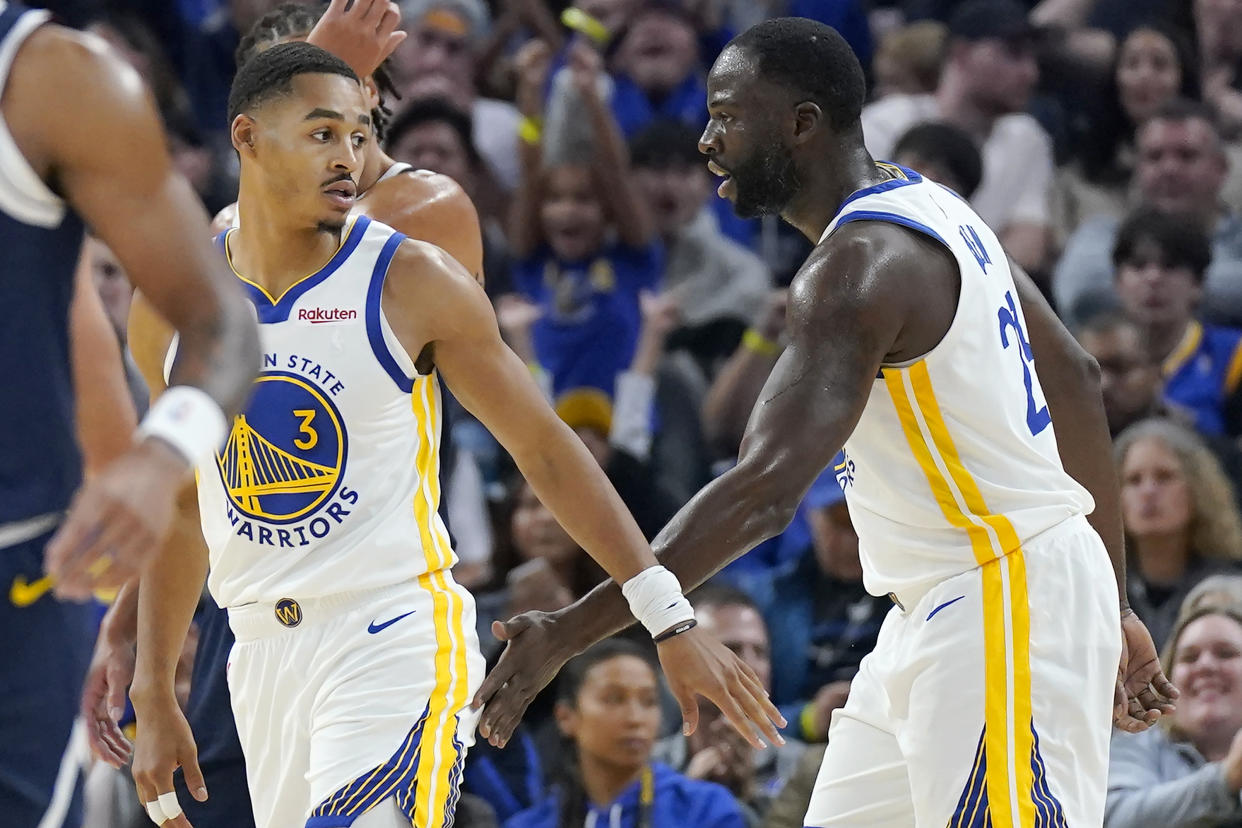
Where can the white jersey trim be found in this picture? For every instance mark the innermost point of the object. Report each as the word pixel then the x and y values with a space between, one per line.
pixel 23 194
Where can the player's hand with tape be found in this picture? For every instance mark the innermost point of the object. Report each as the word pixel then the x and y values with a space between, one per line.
pixel 164 743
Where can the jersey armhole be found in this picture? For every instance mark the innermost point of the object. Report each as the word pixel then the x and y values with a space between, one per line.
pixel 388 351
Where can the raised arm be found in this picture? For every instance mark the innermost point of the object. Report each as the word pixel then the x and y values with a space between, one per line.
pixel 611 161
pixel 436 309
pixel 532 64
pixel 1070 379
pixel 106 155
pixel 846 310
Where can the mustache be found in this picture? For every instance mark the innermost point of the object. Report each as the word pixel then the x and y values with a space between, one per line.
pixel 341 177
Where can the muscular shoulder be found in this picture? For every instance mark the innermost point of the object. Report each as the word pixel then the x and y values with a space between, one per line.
pixel 426 282
pixel 420 204
pixel 880 278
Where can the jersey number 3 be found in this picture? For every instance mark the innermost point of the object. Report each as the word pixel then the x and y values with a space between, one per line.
pixel 1037 419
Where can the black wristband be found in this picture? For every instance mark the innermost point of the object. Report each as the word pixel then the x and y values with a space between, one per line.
pixel 684 626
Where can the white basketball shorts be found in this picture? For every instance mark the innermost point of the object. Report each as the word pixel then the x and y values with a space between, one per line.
pixel 345 701
pixel 987 701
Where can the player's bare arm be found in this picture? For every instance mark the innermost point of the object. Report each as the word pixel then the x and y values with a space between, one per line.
pixel 166 598
pixel 872 293
pixel 106 155
pixel 106 416
pixel 439 313
pixel 433 208
pixel 1070 379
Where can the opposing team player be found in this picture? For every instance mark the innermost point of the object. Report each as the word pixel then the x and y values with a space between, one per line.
pixel 100 162
pixel 355 656
pixel 421 204
pixel 915 345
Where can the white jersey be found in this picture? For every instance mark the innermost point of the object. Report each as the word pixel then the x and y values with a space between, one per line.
pixel 329 481
pixel 954 461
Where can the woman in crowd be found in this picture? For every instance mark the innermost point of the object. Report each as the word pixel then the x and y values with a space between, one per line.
pixel 608 710
pixel 1187 771
pixel 1153 65
pixel 1180 519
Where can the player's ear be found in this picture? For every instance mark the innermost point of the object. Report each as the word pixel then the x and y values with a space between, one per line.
pixel 242 133
pixel 372 92
pixel 807 116
pixel 566 719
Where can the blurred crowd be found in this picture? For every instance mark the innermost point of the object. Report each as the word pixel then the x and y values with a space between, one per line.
pixel 1101 139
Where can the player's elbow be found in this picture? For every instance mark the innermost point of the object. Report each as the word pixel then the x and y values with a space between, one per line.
pixel 770 495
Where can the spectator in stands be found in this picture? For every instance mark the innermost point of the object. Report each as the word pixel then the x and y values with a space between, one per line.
pixel 435 135
pixel 1160 262
pixel 1129 377
pixel 943 153
pixel 608 709
pixel 821 618
pixel 1187 771
pixel 1179 514
pixel 1214 590
pixel 583 242
pixel 1180 168
pixel 657 69
pixel 715 751
pixel 909 59
pixel 718 282
pixel 1218 33
pixel 1153 65
pixel 984 87
pixel 437 61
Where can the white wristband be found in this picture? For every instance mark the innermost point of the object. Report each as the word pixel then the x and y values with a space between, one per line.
pixel 189 420
pixel 655 599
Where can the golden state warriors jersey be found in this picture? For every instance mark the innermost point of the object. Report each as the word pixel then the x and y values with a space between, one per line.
pixel 329 481
pixel 954 461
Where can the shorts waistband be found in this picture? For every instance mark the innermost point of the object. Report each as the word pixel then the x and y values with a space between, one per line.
pixel 20 531
pixel 909 598
pixel 264 619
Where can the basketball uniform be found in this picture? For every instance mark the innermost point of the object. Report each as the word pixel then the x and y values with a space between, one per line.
pixel 988 698
pixel 355 654
pixel 45 645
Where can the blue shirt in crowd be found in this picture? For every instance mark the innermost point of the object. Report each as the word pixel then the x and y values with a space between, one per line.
pixel 591 316
pixel 1202 375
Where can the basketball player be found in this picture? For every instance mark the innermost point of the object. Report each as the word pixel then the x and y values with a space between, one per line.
pixel 421 204
pixel 914 345
pixel 355 656
pixel 100 161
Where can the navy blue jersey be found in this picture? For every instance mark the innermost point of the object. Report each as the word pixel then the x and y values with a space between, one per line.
pixel 41 238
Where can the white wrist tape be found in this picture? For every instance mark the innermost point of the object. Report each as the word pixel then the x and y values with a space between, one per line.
pixel 655 599
pixel 189 420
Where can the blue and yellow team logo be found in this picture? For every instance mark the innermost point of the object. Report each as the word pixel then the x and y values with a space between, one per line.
pixel 286 454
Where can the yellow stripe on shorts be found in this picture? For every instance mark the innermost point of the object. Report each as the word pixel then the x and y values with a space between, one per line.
pixel 1006 612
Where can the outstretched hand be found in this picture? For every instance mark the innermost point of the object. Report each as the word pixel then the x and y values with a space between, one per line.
pixel 696 664
pixel 531 659
pixel 1144 693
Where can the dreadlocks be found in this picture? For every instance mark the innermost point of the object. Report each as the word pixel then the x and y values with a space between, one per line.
pixel 294 21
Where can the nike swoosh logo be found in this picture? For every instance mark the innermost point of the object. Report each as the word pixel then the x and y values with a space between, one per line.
pixel 377 628
pixel 942 606
pixel 23 594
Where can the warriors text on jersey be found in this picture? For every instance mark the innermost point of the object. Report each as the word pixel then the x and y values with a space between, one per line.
pixel 329 480
pixel 954 461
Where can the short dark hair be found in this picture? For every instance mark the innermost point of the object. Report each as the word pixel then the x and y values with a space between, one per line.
pixel 719 594
pixel 1104 322
pixel 1179 110
pixel 812 59
pixel 436 111
pixel 1181 240
pixel 666 143
pixel 298 20
pixel 270 74
pixel 947 145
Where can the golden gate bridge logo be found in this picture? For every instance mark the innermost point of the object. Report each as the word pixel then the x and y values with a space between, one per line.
pixel 286 454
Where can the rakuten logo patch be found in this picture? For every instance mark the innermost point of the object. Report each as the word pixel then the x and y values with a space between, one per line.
pixel 318 315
